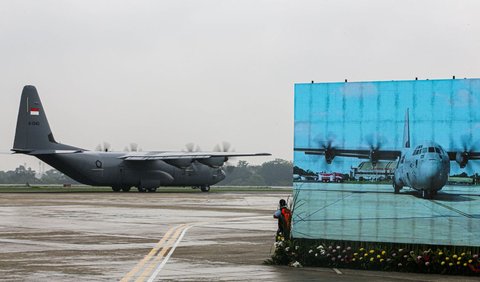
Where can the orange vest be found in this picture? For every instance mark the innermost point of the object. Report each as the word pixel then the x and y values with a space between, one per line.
pixel 287 217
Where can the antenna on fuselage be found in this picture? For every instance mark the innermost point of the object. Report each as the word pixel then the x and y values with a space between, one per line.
pixel 406 131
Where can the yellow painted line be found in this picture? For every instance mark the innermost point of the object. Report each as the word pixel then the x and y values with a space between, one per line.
pixel 153 263
pixel 165 260
pixel 150 254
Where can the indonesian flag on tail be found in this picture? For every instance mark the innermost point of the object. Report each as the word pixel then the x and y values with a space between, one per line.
pixel 34 111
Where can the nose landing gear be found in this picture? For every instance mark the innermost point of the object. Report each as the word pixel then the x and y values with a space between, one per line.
pixel 428 194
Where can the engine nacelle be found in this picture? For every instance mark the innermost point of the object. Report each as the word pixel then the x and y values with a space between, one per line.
pixel 180 163
pixel 461 158
pixel 214 162
pixel 329 155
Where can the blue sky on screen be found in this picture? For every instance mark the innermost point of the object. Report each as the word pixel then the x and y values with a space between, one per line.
pixel 444 111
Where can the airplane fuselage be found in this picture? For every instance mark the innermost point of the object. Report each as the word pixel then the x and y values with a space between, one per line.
pixel 107 169
pixel 121 170
pixel 425 168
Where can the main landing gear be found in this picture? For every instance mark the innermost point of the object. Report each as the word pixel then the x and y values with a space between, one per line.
pixel 118 189
pixel 396 187
pixel 143 190
pixel 203 188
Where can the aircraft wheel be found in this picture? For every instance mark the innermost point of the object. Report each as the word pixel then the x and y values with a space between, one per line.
pixel 426 194
pixel 116 189
pixel 205 188
pixel 396 188
pixel 126 189
pixel 152 190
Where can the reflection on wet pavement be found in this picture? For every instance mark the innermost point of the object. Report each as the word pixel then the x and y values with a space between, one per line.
pixel 102 236
pixel 106 236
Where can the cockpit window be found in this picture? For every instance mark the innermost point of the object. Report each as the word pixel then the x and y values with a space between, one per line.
pixel 438 150
pixel 424 150
pixel 431 150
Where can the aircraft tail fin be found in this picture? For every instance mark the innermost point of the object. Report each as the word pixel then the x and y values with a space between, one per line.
pixel 33 131
pixel 406 131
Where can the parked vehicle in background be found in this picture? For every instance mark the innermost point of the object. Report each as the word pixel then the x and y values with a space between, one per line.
pixel 330 177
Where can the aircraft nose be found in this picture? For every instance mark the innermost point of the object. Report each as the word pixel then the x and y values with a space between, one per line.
pixel 221 174
pixel 431 170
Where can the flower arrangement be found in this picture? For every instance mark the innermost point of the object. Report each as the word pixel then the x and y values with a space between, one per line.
pixel 377 256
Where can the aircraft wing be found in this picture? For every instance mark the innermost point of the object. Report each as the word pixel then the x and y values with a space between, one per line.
pixel 151 156
pixel 389 155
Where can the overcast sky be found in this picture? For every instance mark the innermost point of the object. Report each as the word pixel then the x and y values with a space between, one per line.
pixel 166 73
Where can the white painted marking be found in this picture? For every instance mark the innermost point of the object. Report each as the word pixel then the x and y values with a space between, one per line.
pixel 157 270
pixel 337 271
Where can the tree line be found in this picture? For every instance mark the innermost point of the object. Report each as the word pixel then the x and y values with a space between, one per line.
pixel 23 175
pixel 273 173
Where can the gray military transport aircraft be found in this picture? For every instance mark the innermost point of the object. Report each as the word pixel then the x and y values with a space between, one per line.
pixel 121 170
pixel 425 168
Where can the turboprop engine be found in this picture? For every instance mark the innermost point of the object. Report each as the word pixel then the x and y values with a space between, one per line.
pixel 180 163
pixel 461 158
pixel 214 162
pixel 329 155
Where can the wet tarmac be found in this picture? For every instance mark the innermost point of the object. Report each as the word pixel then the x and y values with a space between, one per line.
pixel 370 212
pixel 151 237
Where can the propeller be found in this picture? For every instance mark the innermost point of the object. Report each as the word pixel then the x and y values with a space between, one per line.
pixel 468 146
pixel 103 148
pixel 133 147
pixel 217 161
pixel 327 145
pixel 224 147
pixel 375 142
pixel 191 147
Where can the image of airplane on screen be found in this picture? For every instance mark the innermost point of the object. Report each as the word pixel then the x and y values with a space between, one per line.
pixel 424 167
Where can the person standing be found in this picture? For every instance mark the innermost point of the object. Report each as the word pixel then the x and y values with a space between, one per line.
pixel 284 216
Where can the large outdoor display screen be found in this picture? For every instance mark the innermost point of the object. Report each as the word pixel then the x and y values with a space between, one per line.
pixel 391 161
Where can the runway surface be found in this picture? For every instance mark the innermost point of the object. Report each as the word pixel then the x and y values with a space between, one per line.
pixel 371 212
pixel 151 237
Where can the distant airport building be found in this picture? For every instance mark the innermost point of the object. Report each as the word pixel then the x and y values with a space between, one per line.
pixel 366 171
